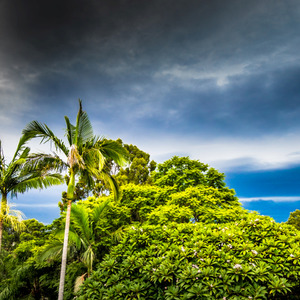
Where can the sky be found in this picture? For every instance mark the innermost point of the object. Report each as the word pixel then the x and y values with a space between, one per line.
pixel 218 81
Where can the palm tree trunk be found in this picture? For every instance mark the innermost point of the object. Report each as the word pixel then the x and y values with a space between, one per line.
pixel 64 254
pixel 2 213
pixel 70 195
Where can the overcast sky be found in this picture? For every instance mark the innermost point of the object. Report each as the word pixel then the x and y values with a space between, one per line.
pixel 216 80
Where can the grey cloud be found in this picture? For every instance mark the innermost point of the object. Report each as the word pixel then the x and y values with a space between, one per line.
pixel 221 68
pixel 248 105
pixel 161 74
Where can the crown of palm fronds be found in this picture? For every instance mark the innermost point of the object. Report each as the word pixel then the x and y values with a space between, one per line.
pixel 27 171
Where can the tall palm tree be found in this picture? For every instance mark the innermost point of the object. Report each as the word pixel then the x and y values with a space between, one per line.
pixel 86 155
pixel 20 175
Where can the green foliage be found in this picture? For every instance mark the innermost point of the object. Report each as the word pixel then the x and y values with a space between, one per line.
pixel 22 173
pixel 86 154
pixel 294 219
pixel 13 225
pixel 116 216
pixel 138 169
pixel 208 204
pixel 86 159
pixel 254 257
pixel 22 276
pixel 178 234
pixel 182 172
pixel 142 199
pixel 170 213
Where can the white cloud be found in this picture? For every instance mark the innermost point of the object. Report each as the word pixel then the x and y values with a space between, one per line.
pixel 275 199
pixel 221 71
pixel 37 205
pixel 263 153
pixel 220 74
pixel 14 95
pixel 260 153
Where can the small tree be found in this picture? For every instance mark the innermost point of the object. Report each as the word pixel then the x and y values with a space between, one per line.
pixel 82 237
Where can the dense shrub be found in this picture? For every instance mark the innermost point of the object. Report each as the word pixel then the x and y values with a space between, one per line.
pixel 254 258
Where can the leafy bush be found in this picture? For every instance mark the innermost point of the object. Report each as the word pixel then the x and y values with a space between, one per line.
pixel 254 258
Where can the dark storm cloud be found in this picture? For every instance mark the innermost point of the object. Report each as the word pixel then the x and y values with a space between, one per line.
pixel 143 35
pixel 252 104
pixel 202 78
pixel 217 67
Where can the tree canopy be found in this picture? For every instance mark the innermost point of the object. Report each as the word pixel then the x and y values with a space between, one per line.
pixel 139 167
pixel 294 219
pixel 182 172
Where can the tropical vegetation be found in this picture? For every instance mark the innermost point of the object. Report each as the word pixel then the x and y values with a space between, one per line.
pixel 86 157
pixel 174 230
pixel 20 175
pixel 294 219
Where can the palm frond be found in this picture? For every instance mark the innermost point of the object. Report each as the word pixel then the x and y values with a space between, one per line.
pixel 80 220
pixel 24 154
pixel 113 150
pixel 17 276
pixel 44 162
pixel 99 210
pixel 76 240
pixel 22 141
pixel 87 178
pixel 78 282
pixel 12 171
pixel 108 179
pixel 84 129
pixel 70 131
pixel 6 293
pixel 94 160
pixel 31 171
pixel 118 234
pixel 88 258
pixel 35 129
pixel 74 158
pixel 35 181
pixel 51 251
pixel 14 217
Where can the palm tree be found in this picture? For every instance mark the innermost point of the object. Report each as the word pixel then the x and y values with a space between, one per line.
pixel 82 237
pixel 86 155
pixel 20 175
